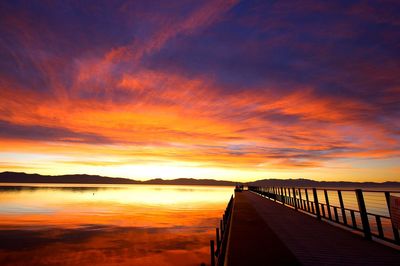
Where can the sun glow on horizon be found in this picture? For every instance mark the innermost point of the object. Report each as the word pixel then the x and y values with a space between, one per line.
pixel 119 167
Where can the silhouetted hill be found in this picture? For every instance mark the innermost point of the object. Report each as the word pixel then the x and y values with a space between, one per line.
pixel 313 183
pixel 15 177
pixel 190 181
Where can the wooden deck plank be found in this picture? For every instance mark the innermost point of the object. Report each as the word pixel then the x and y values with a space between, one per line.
pixel 251 241
pixel 265 232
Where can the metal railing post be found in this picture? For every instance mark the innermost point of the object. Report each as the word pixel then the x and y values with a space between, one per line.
pixel 301 200
pixel 327 204
pixel 294 199
pixel 212 252
pixel 317 212
pixel 308 201
pixel 218 241
pixel 285 197
pixel 395 230
pixel 342 207
pixel 363 214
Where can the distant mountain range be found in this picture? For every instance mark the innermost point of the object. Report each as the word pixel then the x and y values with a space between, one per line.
pixel 16 177
pixel 313 183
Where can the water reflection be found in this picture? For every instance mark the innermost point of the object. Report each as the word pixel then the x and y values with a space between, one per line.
pixel 128 224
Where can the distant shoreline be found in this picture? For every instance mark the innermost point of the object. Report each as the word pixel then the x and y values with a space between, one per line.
pixel 94 184
pixel 24 178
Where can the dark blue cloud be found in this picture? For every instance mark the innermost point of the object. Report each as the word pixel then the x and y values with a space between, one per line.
pixel 34 132
pixel 329 47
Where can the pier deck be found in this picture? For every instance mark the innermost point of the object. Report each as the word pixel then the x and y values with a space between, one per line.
pixel 264 232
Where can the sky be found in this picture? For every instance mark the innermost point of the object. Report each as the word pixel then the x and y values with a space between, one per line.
pixel 230 90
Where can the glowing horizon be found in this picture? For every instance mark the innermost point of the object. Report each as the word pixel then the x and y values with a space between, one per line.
pixel 221 89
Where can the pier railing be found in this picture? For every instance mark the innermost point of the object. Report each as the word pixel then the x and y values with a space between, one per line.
pixel 218 248
pixel 365 211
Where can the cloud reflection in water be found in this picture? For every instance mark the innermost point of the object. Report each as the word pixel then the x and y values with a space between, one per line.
pixel 110 227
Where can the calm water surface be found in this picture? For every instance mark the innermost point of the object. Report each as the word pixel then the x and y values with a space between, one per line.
pixel 108 224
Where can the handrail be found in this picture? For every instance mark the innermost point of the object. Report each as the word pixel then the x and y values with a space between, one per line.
pixel 218 253
pixel 316 201
pixel 341 189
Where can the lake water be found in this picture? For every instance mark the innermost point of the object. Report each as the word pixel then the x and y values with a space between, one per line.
pixel 51 224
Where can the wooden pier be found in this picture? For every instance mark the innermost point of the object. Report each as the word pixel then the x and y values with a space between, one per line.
pixel 264 232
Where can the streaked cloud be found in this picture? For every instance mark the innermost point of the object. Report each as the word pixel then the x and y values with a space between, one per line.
pixel 250 88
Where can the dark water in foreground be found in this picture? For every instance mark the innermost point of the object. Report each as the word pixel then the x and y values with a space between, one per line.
pixel 108 224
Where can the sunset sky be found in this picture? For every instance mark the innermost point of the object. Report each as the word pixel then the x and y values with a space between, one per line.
pixel 231 90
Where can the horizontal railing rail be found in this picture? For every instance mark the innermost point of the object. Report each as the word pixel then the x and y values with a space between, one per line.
pixel 365 211
pixel 218 249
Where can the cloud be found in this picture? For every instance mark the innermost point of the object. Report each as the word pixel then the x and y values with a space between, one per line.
pixel 129 245
pixel 286 84
pixel 42 133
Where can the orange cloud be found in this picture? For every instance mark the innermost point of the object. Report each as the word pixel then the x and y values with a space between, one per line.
pixel 108 105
